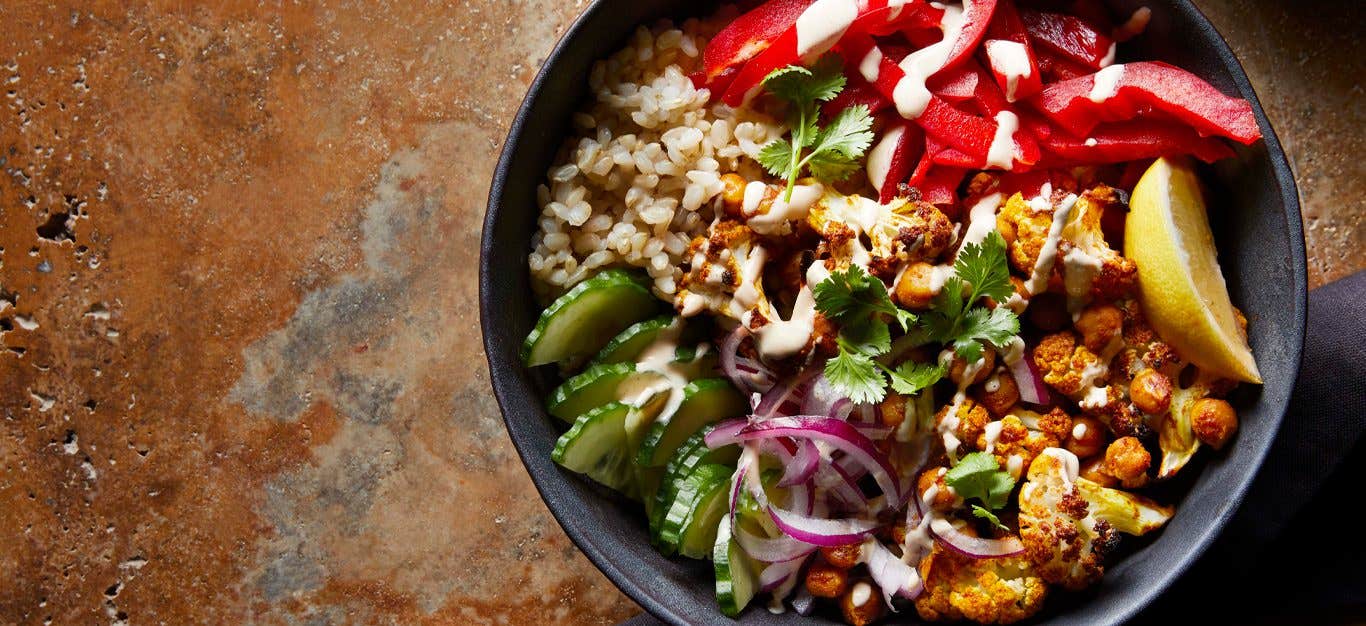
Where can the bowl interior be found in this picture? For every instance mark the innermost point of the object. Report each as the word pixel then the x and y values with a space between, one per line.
pixel 1255 214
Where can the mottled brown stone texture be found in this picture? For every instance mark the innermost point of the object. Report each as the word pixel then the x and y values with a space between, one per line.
pixel 240 365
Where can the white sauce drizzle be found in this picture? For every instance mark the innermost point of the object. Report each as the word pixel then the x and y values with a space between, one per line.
pixel 822 24
pixel 1002 151
pixel 747 294
pixel 1071 467
pixel 781 211
pixel 871 64
pixel 754 196
pixel 911 96
pixel 1079 270
pixel 1135 25
pixel 880 157
pixel 1043 267
pixel 861 594
pixel 669 374
pixel 1106 83
pixel 1014 463
pixel 1079 430
pixel 783 338
pixel 1109 58
pixel 991 432
pixel 1010 59
pixel 982 218
pixel 895 6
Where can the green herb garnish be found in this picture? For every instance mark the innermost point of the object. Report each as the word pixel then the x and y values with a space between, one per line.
pixel 832 152
pixel 981 268
pixel 978 476
pixel 860 304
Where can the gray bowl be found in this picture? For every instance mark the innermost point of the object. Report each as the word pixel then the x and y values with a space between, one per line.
pixel 1256 218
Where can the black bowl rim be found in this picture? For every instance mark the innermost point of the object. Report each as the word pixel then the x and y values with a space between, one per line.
pixel 557 504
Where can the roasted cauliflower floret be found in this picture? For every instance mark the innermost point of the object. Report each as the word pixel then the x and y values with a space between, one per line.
pixel 1072 369
pixel 1068 524
pixel 966 425
pixel 987 591
pixel 1176 431
pixel 883 237
pixel 1024 435
pixel 724 272
pixel 1091 269
pixel 1024 225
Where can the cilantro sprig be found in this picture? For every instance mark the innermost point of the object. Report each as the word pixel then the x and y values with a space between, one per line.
pixel 978 476
pixel 981 269
pixel 861 306
pixel 832 152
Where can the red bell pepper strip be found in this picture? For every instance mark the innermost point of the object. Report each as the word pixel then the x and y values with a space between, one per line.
pixel 956 86
pixel 940 188
pixel 1030 184
pixel 895 158
pixel 1130 90
pixel 1071 37
pixel 1118 142
pixel 1054 67
pixel 748 35
pixel 1008 53
pixel 856 91
pixel 976 17
pixel 786 48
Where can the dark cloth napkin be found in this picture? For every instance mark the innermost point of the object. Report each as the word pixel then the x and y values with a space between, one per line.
pixel 1295 552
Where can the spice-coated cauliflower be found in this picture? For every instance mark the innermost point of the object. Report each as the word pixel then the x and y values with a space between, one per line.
pixel 967 423
pixel 723 273
pixel 1091 269
pixel 897 233
pixel 987 591
pixel 1024 435
pixel 1069 524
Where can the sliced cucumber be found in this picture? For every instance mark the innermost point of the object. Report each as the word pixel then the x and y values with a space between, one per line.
pixel 578 323
pixel 692 454
pixel 736 578
pixel 628 344
pixel 597 447
pixel 704 401
pixel 596 386
pixel 689 527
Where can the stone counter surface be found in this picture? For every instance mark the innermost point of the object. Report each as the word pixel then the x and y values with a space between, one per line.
pixel 241 376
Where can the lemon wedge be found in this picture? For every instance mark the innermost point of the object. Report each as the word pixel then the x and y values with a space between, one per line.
pixel 1180 286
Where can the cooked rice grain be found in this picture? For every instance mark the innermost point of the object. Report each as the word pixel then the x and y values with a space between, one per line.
pixel 639 177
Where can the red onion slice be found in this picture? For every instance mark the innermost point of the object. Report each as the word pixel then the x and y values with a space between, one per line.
pixel 745 374
pixel 802 465
pixel 821 532
pixel 822 399
pixel 771 550
pixel 1027 378
pixel 725 433
pixel 894 576
pixel 780 578
pixel 786 398
pixel 837 433
pixel 973 547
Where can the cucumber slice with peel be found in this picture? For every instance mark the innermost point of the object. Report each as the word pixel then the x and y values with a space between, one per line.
pixel 689 526
pixel 629 343
pixel 597 447
pixel 581 321
pixel 704 402
pixel 596 386
pixel 736 573
pixel 692 454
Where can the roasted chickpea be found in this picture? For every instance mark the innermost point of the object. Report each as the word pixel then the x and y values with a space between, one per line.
pixel 945 500
pixel 999 393
pixel 1214 421
pixel 843 557
pixel 733 194
pixel 1099 325
pixel 1048 312
pixel 913 289
pixel 892 410
pixel 1127 460
pixel 958 368
pixel 1087 437
pixel 862 604
pixel 824 580
pixel 1151 392
pixel 1094 471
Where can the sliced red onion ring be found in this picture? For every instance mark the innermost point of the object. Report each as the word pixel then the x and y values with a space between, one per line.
pixel 787 397
pixel 873 431
pixel 973 547
pixel 725 433
pixel 771 550
pixel 1027 378
pixel 778 575
pixel 844 486
pixel 822 399
pixel 838 434
pixel 802 464
pixel 894 576
pixel 821 532
pixel 745 374
pixel 864 413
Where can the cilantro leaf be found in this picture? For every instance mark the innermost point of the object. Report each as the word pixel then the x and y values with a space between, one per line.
pixel 872 339
pixel 910 377
pixel 978 475
pixel 835 149
pixel 856 375
pixel 984 267
pixel 995 326
pixel 776 157
pixel 987 515
pixel 852 296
